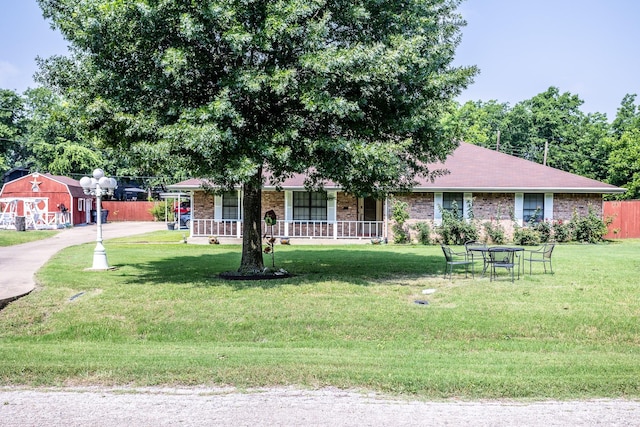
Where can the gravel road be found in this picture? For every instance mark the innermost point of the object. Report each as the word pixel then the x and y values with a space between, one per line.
pixel 158 407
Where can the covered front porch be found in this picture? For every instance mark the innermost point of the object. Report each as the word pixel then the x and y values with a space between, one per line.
pixel 330 214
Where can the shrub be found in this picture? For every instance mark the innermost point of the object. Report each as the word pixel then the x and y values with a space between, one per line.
pixel 544 230
pixel 454 229
pixel 400 214
pixel 424 233
pixel 562 231
pixel 160 211
pixel 495 232
pixel 589 228
pixel 526 236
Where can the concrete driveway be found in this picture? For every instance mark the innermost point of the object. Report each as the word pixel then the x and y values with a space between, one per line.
pixel 19 263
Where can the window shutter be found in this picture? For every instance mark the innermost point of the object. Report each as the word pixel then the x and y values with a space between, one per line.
pixel 548 206
pixel 518 210
pixel 467 203
pixel 437 208
pixel 217 207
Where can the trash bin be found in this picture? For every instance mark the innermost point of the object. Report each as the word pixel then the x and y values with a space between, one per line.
pixel 103 215
pixel 21 223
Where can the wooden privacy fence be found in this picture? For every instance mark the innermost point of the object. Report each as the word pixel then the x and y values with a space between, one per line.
pixel 625 216
pixel 128 211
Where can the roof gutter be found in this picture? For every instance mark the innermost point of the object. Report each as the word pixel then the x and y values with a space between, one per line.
pixel 575 190
pixel 600 190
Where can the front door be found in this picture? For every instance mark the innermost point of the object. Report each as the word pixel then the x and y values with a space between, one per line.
pixel 370 214
pixel 370 209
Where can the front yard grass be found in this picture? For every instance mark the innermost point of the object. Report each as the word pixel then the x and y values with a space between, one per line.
pixel 12 237
pixel 348 318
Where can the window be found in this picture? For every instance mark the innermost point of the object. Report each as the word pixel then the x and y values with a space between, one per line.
pixel 230 205
pixel 80 205
pixel 448 204
pixel 533 208
pixel 310 206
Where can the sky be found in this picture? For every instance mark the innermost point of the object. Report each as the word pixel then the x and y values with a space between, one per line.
pixel 590 48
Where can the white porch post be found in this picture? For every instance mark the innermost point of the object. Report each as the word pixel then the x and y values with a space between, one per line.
pixel 332 212
pixel 239 227
pixel 288 210
pixel 385 218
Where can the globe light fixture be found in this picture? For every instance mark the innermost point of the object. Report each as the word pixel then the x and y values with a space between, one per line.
pixel 99 185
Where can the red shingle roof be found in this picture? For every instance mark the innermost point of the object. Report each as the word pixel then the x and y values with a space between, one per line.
pixel 476 169
pixel 75 189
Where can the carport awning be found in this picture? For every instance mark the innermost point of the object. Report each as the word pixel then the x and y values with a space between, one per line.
pixel 176 195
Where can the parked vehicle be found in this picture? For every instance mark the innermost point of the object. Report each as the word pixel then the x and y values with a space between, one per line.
pixel 185 220
pixel 183 213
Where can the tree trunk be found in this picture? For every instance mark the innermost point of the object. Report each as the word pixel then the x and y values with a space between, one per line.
pixel 252 262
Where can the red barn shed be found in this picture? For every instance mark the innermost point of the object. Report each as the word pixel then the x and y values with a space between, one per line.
pixel 46 201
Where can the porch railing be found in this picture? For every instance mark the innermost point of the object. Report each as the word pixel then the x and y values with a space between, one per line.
pixel 302 229
pixel 211 227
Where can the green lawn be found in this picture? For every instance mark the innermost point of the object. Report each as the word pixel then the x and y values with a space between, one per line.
pixel 347 319
pixel 12 237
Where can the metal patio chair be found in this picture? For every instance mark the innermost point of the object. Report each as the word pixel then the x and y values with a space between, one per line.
pixel 456 259
pixel 542 255
pixel 502 258
pixel 476 250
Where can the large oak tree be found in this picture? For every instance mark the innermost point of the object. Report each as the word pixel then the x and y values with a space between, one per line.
pixel 345 90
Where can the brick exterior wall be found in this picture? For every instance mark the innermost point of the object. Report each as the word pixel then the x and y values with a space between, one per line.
pixel 486 207
pixel 498 206
pixel 347 207
pixel 565 204
pixel 203 205
pixel 273 200
pixel 420 205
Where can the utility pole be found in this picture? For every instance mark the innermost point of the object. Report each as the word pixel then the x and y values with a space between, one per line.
pixel 546 150
pixel 498 141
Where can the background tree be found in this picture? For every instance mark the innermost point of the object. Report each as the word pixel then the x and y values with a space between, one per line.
pixel 12 128
pixel 348 91
pixel 592 148
pixel 627 116
pixel 56 142
pixel 554 119
pixel 624 149
pixel 576 142
pixel 478 122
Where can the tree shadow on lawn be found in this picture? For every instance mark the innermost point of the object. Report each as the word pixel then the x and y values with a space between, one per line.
pixel 360 267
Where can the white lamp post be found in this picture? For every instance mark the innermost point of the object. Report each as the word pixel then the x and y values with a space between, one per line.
pixel 99 186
